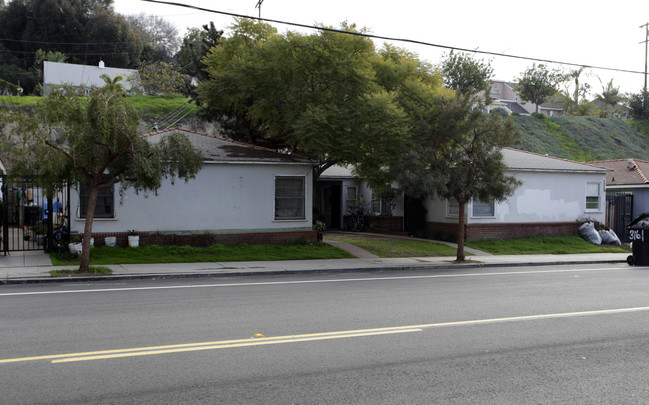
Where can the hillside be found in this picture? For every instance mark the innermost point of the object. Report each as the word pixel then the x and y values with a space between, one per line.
pixel 584 138
pixel 575 138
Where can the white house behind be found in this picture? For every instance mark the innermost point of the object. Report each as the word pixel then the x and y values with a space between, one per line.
pixel 82 76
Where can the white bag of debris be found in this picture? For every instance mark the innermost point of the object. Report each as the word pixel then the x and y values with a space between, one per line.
pixel 588 232
pixel 609 237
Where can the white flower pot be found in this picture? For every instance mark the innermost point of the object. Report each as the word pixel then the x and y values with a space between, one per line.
pixel 111 241
pixel 134 241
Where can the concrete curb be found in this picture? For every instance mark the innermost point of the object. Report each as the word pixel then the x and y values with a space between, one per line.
pixel 220 274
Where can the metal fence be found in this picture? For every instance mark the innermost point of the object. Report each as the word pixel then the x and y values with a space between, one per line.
pixel 619 213
pixel 30 219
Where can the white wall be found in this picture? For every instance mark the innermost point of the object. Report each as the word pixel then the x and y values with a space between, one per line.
pixel 222 198
pixel 543 197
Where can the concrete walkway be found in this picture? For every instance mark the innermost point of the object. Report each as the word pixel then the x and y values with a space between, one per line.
pixel 34 267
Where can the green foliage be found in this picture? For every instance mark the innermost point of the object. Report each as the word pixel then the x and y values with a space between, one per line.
pixel 195 45
pixel 610 95
pixel 314 94
pixel 538 115
pixel 94 141
pixel 68 24
pixel 103 255
pixel 159 79
pixel 11 75
pixel 465 75
pixel 584 138
pixel 154 106
pixel 96 270
pixel 542 245
pixel 639 105
pixel 538 83
pixel 392 247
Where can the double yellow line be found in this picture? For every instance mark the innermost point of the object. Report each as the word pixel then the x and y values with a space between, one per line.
pixel 228 344
pixel 223 344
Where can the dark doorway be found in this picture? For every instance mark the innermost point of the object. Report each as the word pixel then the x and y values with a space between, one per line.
pixel 414 220
pixel 328 204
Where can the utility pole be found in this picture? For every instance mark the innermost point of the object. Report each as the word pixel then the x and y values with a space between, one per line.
pixel 646 43
pixel 261 1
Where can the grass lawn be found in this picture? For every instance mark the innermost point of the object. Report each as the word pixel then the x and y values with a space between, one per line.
pixel 216 253
pixel 394 247
pixel 557 245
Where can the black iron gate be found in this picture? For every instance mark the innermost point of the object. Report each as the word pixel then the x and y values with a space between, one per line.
pixel 30 219
pixel 619 213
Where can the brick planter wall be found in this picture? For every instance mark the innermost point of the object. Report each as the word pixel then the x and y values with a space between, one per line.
pixel 206 239
pixel 510 230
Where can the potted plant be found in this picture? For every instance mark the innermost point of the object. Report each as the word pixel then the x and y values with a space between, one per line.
pixel 133 238
pixel 319 227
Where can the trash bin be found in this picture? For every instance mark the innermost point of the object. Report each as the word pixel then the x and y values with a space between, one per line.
pixel 639 236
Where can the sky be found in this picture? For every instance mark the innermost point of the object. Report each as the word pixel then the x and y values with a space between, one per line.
pixel 593 33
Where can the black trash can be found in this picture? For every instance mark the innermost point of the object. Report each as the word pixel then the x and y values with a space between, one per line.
pixel 639 236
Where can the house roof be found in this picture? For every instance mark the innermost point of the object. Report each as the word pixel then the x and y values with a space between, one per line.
pixel 218 150
pixel 55 73
pixel 626 172
pixel 519 160
pixel 338 172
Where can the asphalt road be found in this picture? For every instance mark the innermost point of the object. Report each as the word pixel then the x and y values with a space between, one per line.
pixel 569 334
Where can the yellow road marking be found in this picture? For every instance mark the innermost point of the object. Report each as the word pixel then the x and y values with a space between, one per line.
pixel 226 344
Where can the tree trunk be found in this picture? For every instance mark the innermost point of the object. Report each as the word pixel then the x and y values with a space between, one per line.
pixel 460 231
pixel 87 229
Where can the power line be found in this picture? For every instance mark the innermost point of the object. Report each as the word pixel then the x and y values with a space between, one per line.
pixel 411 41
pixel 25 41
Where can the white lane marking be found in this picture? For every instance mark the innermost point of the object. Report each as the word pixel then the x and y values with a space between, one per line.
pixel 341 280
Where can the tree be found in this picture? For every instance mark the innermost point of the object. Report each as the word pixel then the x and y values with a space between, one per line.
pixel 159 78
pixel 639 105
pixel 610 95
pixel 574 101
pixel 85 30
pixel 538 83
pixel 94 142
pixel 112 84
pixel 453 149
pixel 195 45
pixel 160 35
pixel 312 94
pixel 467 75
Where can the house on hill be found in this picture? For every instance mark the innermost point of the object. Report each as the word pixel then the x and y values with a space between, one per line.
pixel 82 76
pixel 243 194
pixel 504 95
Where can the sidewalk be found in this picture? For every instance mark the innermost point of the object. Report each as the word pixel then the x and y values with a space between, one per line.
pixel 34 267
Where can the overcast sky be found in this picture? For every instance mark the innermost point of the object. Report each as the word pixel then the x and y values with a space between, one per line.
pixel 593 33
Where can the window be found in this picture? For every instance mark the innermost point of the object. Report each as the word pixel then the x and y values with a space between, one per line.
pixel 352 198
pixel 483 209
pixel 452 208
pixel 105 207
pixel 289 197
pixel 382 205
pixel 592 196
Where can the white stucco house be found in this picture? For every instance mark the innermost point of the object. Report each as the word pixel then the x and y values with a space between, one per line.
pixel 86 77
pixel 243 194
pixel 555 194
